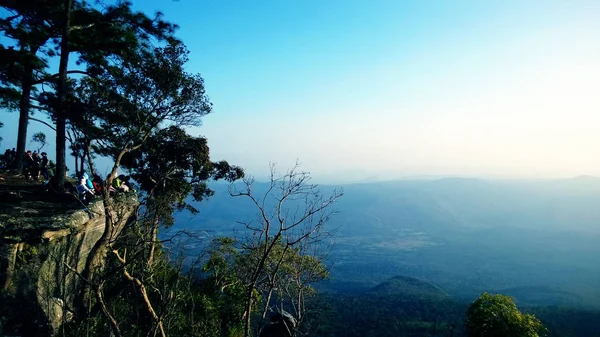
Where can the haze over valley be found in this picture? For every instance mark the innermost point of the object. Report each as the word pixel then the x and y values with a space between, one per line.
pixel 536 240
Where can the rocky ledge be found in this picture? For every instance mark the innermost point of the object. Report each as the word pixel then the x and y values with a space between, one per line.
pixel 43 240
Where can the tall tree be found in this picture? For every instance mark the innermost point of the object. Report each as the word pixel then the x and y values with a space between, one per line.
pixel 27 28
pixel 98 38
pixel 124 108
pixel 170 167
pixel 44 29
pixel 61 110
pixel 130 101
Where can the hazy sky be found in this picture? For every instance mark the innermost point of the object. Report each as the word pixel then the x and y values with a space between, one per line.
pixel 396 88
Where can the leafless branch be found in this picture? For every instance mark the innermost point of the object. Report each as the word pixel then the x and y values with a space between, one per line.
pixel 300 213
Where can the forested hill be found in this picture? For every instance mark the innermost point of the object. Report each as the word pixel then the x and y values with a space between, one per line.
pixel 403 306
pixel 400 306
pixel 464 235
pixel 407 288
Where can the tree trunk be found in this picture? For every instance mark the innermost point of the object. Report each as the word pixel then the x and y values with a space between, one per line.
pixel 153 233
pixel 62 93
pixel 24 105
pixel 114 326
pixel 300 313
pixel 248 312
pixel 255 275
pixel 264 315
pixel 76 165
pixel 81 163
pixel 98 250
pixel 88 155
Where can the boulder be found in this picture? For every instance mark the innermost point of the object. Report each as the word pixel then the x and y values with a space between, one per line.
pixel 282 324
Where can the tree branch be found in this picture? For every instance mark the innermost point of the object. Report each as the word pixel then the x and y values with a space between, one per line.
pixel 113 322
pixel 73 28
pixel 114 325
pixel 142 289
pixel 41 121
pixel 51 77
pixel 41 108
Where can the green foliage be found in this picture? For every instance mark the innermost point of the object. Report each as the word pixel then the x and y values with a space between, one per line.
pixel 190 302
pixel 290 271
pixel 368 314
pixel 98 35
pixel 122 108
pixel 405 313
pixel 28 254
pixel 222 285
pixel 285 281
pixel 497 315
pixel 171 166
pixel 131 102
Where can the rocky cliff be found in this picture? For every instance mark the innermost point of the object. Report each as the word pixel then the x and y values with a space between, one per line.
pixel 43 248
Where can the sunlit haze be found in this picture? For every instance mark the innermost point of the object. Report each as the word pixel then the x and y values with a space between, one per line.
pixel 387 89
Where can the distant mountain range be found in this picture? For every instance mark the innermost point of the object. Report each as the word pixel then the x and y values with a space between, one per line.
pixel 463 235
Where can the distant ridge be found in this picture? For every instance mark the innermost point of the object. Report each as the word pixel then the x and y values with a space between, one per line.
pixel 543 295
pixel 586 177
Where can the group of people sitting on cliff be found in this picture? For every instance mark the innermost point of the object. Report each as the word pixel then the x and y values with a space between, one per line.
pixel 38 165
pixel 87 188
pixel 35 165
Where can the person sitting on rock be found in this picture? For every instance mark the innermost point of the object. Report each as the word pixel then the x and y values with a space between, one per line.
pixel 98 184
pixel 124 183
pixel 116 185
pixel 85 194
pixel 88 181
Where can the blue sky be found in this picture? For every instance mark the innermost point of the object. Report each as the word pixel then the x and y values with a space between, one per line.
pixel 386 89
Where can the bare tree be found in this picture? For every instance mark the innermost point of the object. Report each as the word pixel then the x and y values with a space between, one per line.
pixel 292 213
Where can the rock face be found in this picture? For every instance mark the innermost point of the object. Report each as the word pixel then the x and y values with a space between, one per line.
pixel 42 244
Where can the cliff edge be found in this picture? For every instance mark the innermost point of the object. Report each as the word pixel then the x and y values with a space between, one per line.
pixel 43 247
